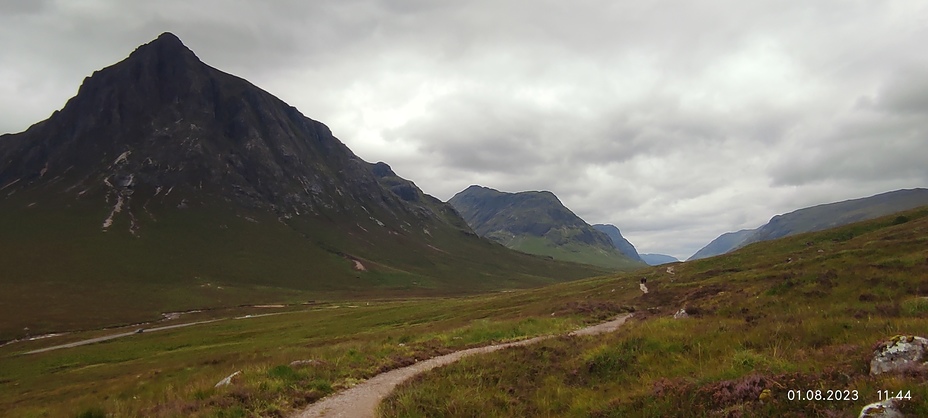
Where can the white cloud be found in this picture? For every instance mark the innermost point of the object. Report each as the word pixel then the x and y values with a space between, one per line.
pixel 676 121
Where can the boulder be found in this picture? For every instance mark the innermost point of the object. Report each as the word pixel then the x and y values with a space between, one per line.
pixel 884 409
pixel 901 352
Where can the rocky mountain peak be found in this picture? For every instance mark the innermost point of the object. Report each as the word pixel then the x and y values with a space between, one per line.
pixel 161 71
pixel 161 120
pixel 167 47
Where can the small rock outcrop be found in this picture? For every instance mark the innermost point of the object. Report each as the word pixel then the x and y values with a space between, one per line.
pixel 305 363
pixel 899 353
pixel 884 409
pixel 681 314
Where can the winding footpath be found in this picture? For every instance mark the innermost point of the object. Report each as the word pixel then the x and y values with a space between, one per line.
pixel 141 330
pixel 361 401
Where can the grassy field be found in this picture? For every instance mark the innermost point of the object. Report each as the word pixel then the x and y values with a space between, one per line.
pixel 68 275
pixel 172 373
pixel 793 314
pixel 802 313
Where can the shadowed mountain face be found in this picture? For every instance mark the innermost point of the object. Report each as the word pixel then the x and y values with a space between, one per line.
pixel 162 121
pixel 619 241
pixel 818 218
pixel 537 223
pixel 164 179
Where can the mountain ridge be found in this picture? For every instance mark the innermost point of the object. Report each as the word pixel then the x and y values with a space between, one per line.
pixel 620 242
pixel 536 222
pixel 817 218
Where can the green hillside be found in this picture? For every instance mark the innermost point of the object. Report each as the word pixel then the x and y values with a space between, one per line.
pixel 69 275
pixel 798 313
pixel 570 251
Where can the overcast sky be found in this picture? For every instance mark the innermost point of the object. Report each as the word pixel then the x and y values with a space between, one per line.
pixel 674 120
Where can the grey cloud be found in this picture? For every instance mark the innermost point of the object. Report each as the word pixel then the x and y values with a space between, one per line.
pixel 906 92
pixel 677 121
pixel 20 7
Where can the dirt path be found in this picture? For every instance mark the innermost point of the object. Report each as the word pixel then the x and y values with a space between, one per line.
pixel 147 331
pixel 362 400
pixel 120 335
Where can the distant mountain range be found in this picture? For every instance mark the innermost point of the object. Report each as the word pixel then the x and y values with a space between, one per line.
pixel 658 259
pixel 537 223
pixel 817 218
pixel 166 184
pixel 723 244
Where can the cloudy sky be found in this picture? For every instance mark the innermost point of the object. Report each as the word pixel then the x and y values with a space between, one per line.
pixel 674 120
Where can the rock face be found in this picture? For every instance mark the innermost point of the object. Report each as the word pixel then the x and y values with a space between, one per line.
pixel 900 353
pixel 537 223
pixel 618 240
pixel 163 123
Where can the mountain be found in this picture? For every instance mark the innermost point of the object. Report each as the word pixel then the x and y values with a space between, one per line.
pixel 166 184
pixel 723 244
pixel 820 217
pixel 627 249
pixel 537 223
pixel 618 240
pixel 658 259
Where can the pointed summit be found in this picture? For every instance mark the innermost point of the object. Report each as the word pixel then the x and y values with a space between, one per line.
pixel 163 120
pixel 165 46
pixel 168 37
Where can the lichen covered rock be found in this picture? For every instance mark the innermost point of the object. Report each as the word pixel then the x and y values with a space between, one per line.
pixel 899 353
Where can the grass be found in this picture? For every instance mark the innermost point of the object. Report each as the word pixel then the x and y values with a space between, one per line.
pixel 65 264
pixel 798 313
pixel 172 373
pixel 802 313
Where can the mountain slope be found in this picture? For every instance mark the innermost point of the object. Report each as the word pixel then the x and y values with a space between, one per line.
pixel 723 244
pixel 619 241
pixel 821 217
pixel 537 223
pixel 166 184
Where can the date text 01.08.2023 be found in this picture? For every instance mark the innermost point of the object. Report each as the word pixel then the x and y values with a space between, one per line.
pixel 822 395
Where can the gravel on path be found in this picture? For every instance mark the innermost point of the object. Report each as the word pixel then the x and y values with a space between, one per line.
pixel 361 401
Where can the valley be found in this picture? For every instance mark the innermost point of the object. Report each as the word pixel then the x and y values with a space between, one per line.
pixel 794 313
pixel 178 242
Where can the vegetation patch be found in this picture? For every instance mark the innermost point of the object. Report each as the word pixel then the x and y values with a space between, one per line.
pixel 782 326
